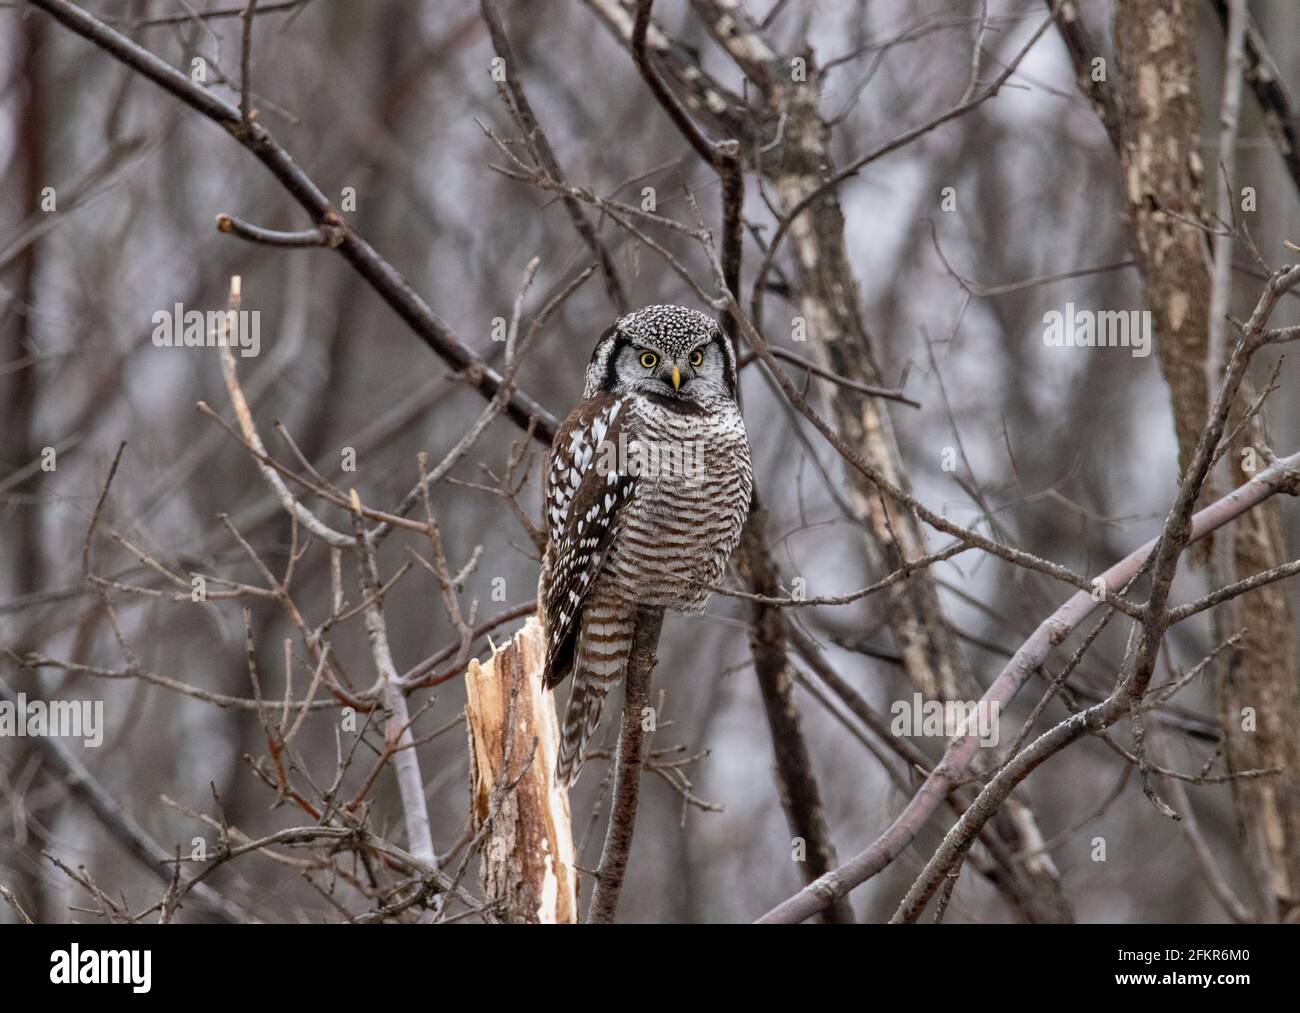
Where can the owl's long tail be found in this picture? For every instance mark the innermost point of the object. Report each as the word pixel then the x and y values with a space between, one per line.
pixel 604 643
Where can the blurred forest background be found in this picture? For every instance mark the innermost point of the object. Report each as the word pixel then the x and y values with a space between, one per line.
pixel 1071 454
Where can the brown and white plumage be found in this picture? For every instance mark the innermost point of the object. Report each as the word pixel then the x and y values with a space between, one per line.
pixel 647 489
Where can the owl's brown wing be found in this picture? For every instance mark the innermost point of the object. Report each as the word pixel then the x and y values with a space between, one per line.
pixel 587 485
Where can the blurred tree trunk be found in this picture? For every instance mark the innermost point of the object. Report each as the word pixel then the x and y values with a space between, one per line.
pixel 1159 130
pixel 21 395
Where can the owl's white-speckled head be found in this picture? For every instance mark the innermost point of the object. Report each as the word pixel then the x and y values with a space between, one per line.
pixel 674 355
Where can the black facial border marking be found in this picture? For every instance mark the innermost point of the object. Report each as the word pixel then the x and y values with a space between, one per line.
pixel 728 363
pixel 623 340
pixel 620 339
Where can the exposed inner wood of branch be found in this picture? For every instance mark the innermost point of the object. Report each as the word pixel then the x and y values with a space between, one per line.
pixel 528 854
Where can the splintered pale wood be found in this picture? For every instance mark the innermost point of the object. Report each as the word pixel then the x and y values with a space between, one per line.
pixel 528 855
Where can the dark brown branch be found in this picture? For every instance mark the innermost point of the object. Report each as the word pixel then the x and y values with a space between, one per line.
pixel 245 62
pixel 627 768
pixel 703 94
pixel 1083 50
pixel 713 152
pixel 325 235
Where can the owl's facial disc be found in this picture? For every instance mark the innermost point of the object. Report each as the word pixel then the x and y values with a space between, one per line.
pixel 654 371
pixel 668 352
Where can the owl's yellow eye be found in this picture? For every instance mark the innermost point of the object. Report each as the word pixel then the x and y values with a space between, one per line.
pixel 697 357
pixel 649 360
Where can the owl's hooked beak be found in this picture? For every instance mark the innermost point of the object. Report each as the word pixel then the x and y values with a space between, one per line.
pixel 677 378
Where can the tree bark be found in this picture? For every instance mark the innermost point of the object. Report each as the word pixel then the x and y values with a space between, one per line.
pixel 528 858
